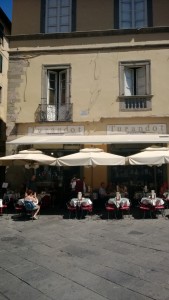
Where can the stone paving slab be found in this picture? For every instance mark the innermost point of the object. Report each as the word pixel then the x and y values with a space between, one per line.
pixel 93 258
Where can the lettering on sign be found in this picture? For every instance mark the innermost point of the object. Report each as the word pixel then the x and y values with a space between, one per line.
pixel 60 130
pixel 137 128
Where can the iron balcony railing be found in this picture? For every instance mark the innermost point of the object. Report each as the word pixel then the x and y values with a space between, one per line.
pixel 53 113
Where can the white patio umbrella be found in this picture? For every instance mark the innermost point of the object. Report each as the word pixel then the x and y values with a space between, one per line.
pixel 91 157
pixel 150 156
pixel 30 158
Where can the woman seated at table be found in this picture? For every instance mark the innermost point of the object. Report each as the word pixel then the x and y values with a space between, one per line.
pixel 122 189
pixel 110 189
pixel 30 196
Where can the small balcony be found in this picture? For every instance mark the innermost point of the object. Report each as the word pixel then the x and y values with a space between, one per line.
pixel 53 113
pixel 135 103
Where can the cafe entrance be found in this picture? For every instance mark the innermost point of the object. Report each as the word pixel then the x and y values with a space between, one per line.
pixel 135 177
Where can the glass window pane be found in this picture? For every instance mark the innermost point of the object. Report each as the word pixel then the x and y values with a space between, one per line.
pixel 64 21
pixel 58 18
pixel 140 13
pixel 132 13
pixel 52 12
pixel 65 3
pixel 51 97
pixel 64 29
pixel 52 3
pixel 52 22
pixel 52 29
pixel 64 11
pixel 126 14
pixel 52 80
pixel 62 88
pixel 141 81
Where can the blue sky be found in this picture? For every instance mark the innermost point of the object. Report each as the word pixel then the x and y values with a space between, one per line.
pixel 6 6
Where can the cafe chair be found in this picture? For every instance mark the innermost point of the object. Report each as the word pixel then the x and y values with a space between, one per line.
pixel 125 209
pixel 159 209
pixel 19 209
pixel 145 209
pixel 46 202
pixel 72 210
pixel 3 209
pixel 110 208
pixel 86 208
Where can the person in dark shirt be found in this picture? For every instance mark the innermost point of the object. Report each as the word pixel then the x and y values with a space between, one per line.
pixel 79 186
pixel 31 184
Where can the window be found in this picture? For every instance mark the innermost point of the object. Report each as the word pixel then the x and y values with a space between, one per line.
pixel 56 104
pixel 133 13
pixel 1 60
pixel 135 89
pixel 57 81
pixel 58 16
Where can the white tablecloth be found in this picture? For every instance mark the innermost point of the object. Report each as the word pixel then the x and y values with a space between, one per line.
pixel 121 202
pixel 154 202
pixel 76 202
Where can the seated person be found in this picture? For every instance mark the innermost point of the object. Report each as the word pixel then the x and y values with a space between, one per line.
pixel 102 190
pixel 163 188
pixel 110 189
pixel 30 196
pixel 79 186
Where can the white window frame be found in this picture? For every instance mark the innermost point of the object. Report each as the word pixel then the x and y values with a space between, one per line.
pixel 57 27
pixel 133 15
pixel 57 109
pixel 58 71
pixel 134 90
pixel 0 94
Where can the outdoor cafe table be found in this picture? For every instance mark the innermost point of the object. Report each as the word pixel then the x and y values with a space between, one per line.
pixel 153 202
pixel 77 203
pixel 119 202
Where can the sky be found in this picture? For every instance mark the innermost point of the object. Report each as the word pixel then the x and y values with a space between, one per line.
pixel 6 6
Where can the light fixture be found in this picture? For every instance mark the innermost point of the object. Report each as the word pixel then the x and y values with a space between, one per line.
pixel 32 165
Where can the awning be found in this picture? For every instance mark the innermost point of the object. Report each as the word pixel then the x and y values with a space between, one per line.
pixel 91 139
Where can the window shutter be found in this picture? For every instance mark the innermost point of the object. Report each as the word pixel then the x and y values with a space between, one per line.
pixel 44 86
pixel 68 83
pixel 149 13
pixel 73 15
pixel 43 16
pixel 141 81
pixel 116 14
pixel 128 81
pixel 1 59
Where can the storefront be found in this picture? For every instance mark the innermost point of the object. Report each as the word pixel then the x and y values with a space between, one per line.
pixel 119 139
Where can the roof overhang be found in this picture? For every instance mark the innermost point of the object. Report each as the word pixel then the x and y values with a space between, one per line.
pixel 91 139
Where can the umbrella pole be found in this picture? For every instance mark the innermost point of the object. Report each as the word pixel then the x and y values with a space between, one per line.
pixel 155 178
pixel 92 178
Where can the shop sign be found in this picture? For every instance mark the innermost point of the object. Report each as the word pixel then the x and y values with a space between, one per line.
pixel 137 128
pixel 60 130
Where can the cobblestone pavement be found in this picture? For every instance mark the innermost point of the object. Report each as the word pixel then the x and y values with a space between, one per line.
pixel 93 258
